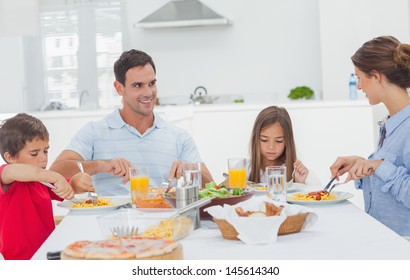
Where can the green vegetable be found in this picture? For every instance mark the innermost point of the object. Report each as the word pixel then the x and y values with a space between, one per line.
pixel 222 186
pixel 237 191
pixel 301 92
pixel 210 185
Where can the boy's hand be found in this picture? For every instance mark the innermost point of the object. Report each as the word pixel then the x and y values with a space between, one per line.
pixel 81 183
pixel 63 189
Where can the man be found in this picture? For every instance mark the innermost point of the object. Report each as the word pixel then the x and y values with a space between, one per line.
pixel 131 136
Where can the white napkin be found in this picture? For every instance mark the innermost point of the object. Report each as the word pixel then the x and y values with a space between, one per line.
pixel 259 230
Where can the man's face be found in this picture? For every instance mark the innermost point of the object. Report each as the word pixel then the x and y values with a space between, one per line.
pixel 33 153
pixel 140 91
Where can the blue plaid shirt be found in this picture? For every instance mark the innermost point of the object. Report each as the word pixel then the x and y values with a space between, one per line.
pixel 156 149
pixel 387 192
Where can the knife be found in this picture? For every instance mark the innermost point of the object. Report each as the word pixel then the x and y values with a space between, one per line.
pixel 54 255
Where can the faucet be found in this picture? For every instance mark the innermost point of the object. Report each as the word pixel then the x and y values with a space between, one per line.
pixel 84 92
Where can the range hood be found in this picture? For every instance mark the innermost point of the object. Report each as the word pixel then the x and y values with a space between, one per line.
pixel 181 13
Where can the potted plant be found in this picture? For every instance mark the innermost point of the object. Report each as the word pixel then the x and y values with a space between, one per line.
pixel 301 92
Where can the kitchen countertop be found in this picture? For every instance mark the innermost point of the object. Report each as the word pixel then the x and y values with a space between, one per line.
pixel 201 108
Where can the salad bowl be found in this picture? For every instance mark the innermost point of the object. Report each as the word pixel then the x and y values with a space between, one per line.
pixel 217 199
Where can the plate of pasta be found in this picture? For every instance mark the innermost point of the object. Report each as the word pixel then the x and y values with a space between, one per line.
pixel 318 198
pixel 104 203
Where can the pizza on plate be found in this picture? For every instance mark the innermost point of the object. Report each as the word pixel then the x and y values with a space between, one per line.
pixel 125 248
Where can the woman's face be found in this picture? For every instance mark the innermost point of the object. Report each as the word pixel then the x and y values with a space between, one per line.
pixel 272 144
pixel 370 86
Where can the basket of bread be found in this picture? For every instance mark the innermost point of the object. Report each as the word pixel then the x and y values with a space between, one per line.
pixel 258 222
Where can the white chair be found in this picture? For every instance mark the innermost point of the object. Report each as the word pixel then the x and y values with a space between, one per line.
pixel 313 179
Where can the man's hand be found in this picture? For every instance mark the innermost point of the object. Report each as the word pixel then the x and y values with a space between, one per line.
pixel 118 167
pixel 177 169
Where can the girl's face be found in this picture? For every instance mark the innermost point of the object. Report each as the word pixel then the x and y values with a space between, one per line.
pixel 272 144
pixel 33 153
pixel 370 86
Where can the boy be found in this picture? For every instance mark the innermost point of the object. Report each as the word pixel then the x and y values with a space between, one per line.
pixel 26 216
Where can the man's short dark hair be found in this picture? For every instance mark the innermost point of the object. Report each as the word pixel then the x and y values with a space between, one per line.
pixel 130 59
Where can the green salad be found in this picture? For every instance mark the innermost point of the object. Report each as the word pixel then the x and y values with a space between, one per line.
pixel 213 190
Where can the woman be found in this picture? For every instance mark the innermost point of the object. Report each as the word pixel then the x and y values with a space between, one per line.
pixel 382 66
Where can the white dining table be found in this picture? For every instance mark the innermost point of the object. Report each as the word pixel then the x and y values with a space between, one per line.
pixel 341 232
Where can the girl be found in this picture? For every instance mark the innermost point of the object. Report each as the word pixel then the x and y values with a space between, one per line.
pixel 272 143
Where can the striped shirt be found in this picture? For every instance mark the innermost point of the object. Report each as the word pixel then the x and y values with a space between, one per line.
pixel 156 149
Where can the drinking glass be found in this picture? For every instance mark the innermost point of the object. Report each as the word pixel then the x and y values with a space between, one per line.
pixel 192 174
pixel 139 183
pixel 276 181
pixel 237 172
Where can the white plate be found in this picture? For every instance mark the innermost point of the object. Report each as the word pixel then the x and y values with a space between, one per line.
pixel 340 196
pixel 292 187
pixel 118 202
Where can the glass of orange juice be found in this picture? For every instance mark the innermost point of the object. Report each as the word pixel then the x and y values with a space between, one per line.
pixel 139 183
pixel 237 172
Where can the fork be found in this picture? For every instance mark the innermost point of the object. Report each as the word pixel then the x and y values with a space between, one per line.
pixel 92 195
pixel 325 189
pixel 333 186
pixel 123 231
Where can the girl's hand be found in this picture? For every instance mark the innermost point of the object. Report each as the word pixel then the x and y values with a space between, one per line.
pixel 63 188
pixel 301 172
pixel 81 183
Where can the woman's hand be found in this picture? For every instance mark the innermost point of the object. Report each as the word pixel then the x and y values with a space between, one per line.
pixel 363 168
pixel 301 172
pixel 357 167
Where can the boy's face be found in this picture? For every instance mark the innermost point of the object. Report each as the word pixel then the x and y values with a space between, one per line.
pixel 34 153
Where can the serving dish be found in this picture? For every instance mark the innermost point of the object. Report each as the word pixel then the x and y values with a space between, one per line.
pixel 232 200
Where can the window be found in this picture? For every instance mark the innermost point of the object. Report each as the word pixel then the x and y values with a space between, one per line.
pixel 81 42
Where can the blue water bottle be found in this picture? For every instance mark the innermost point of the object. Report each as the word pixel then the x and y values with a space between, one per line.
pixel 352 87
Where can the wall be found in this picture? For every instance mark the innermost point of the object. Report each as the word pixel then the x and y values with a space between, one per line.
pixel 270 48
pixel 345 26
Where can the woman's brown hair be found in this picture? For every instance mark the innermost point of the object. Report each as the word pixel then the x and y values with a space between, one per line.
pixel 386 55
pixel 268 117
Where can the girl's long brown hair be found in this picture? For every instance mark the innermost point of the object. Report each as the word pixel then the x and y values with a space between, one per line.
pixel 267 117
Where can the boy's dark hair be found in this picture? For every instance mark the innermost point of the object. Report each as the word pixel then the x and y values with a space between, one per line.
pixel 130 59
pixel 15 132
